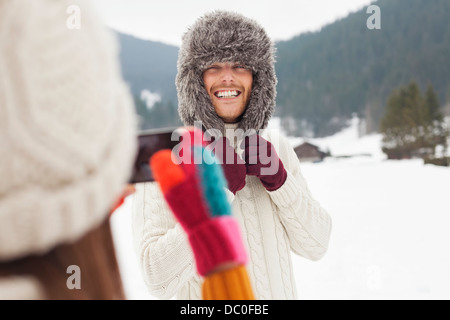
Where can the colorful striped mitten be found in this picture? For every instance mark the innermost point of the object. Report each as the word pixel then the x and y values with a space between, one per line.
pixel 195 193
pixel 202 211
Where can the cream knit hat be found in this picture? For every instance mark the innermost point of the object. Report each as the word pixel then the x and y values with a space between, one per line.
pixel 67 125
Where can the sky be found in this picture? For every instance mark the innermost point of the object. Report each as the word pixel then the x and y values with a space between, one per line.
pixel 166 21
pixel 390 236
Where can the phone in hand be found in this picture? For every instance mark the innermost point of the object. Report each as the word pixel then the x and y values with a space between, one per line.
pixel 149 142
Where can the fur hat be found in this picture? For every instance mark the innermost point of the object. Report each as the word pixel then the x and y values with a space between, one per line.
pixel 222 36
pixel 67 125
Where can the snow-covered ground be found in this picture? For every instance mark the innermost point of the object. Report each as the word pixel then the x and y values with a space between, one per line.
pixel 391 222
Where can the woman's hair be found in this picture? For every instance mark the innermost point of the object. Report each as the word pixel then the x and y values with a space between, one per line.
pixel 96 258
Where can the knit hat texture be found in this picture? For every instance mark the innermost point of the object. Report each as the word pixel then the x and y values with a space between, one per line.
pixel 67 125
pixel 224 36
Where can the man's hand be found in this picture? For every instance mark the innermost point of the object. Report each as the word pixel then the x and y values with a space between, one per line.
pixel 232 165
pixel 262 161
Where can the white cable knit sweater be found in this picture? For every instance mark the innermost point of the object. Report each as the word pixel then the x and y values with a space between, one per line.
pixel 272 223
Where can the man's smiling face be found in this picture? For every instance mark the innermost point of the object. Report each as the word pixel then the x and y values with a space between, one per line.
pixel 229 86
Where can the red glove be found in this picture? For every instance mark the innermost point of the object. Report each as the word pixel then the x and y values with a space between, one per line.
pixel 262 161
pixel 232 165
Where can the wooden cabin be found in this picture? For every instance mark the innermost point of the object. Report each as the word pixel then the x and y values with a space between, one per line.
pixel 307 152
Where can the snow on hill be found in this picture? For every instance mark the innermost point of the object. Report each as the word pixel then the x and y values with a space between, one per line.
pixel 348 142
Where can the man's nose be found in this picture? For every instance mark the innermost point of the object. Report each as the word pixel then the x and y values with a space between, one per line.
pixel 227 74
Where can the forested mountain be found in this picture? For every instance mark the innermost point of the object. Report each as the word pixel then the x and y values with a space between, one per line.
pixel 346 67
pixel 148 65
pixel 326 76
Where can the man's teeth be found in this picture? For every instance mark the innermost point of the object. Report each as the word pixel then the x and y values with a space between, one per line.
pixel 227 94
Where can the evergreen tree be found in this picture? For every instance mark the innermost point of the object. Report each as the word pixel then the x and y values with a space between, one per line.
pixel 435 131
pixel 412 125
pixel 396 124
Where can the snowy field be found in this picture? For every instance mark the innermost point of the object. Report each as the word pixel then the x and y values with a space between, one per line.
pixel 391 227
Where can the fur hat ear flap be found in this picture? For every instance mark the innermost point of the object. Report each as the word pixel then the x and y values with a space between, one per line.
pixel 224 36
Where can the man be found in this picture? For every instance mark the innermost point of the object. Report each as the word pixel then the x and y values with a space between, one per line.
pixel 226 81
